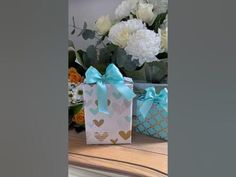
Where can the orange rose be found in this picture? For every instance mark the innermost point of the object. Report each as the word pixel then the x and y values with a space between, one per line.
pixel 79 117
pixel 74 76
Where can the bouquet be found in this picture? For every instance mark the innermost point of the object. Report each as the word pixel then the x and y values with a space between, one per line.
pixel 75 105
pixel 135 40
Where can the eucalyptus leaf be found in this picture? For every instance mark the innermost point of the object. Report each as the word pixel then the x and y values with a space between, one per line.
pixel 100 40
pixel 73 20
pixel 137 75
pixel 119 57
pixel 90 56
pixel 104 55
pixel 72 32
pixel 156 71
pixel 91 52
pixel 85 26
pixel 88 34
pixel 131 65
pixel 81 32
pixel 123 60
pixel 86 60
pixel 112 47
pixel 101 67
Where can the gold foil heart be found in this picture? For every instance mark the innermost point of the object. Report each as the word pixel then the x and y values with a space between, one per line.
pixel 125 135
pixel 114 141
pixel 108 102
pixel 101 136
pixel 98 123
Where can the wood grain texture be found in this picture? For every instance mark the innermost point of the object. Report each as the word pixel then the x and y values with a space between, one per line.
pixel 144 157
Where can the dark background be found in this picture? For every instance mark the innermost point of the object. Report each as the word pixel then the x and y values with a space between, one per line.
pixel 33 97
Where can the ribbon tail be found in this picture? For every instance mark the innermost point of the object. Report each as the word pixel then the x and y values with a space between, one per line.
pixel 163 96
pixel 125 91
pixel 145 107
pixel 102 97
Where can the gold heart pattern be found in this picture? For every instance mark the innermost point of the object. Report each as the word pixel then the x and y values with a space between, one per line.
pixel 98 123
pixel 108 102
pixel 114 141
pixel 101 136
pixel 114 128
pixel 125 135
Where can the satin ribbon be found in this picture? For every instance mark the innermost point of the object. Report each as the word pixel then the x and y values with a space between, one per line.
pixel 150 97
pixel 112 76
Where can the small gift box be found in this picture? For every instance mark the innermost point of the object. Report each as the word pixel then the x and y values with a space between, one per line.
pixel 152 113
pixel 107 106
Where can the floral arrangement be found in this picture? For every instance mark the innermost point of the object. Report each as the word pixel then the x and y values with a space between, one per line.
pixel 76 113
pixel 135 40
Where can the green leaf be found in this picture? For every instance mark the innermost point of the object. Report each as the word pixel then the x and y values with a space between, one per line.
pixel 104 55
pixel 86 60
pixel 156 71
pixel 89 57
pixel 92 52
pixel 158 21
pixel 73 20
pixel 73 110
pixel 85 26
pixel 74 57
pixel 123 60
pixel 72 32
pixel 88 34
pixel 79 59
pixel 131 65
pixel 163 55
pixel 136 75
pixel 101 67
pixel 71 57
pixel 111 47
pixel 100 40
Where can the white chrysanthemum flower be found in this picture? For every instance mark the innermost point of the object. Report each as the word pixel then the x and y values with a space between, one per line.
pixel 165 22
pixel 103 24
pixel 159 6
pixel 145 13
pixel 144 45
pixel 163 31
pixel 119 33
pixel 125 8
pixel 164 39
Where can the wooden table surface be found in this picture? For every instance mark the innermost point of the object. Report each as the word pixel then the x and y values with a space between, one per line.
pixel 145 157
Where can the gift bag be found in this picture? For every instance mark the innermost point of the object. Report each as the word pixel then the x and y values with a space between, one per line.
pixel 152 114
pixel 107 106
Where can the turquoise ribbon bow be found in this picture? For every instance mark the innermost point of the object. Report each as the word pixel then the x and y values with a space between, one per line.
pixel 150 97
pixel 112 76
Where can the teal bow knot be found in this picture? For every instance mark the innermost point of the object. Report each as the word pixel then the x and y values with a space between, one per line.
pixel 112 76
pixel 150 97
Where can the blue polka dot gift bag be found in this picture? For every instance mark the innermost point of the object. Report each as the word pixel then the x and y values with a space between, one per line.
pixel 152 113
